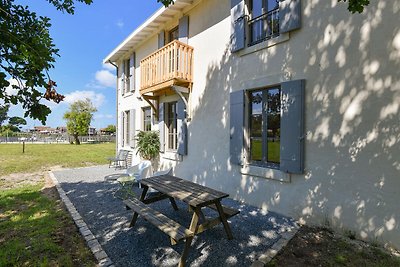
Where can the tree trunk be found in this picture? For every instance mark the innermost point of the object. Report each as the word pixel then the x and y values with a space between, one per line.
pixel 77 142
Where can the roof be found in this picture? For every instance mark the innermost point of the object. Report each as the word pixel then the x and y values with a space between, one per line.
pixel 151 26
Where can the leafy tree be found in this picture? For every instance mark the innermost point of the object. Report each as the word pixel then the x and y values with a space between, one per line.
pixel 78 118
pixel 17 121
pixel 111 128
pixel 27 52
pixel 356 5
pixel 3 113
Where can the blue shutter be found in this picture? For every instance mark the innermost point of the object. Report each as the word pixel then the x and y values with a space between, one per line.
pixel 182 128
pixel 238 22
pixel 161 109
pixel 161 39
pixel 236 127
pixel 289 15
pixel 292 127
pixel 132 72
pixel 122 77
pixel 183 29
pixel 132 128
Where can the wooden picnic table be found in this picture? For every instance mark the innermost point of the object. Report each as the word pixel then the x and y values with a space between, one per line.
pixel 195 195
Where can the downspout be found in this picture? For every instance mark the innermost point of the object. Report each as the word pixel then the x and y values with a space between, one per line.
pixel 116 106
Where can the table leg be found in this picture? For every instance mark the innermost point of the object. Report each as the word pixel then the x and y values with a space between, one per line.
pixel 224 220
pixel 195 220
pixel 135 215
pixel 173 203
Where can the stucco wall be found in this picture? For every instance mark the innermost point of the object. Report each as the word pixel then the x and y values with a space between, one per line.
pixel 351 64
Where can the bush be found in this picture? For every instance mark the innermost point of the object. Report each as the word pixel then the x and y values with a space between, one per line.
pixel 148 144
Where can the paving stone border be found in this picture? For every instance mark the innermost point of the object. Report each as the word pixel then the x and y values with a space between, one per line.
pixel 265 258
pixel 92 242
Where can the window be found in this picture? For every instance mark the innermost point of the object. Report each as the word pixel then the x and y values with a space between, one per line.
pixel 263 21
pixel 126 128
pixel 171 124
pixel 147 119
pixel 264 126
pixel 126 79
pixel 173 34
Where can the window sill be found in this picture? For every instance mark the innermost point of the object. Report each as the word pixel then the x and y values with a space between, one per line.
pixel 263 45
pixel 264 172
pixel 131 93
pixel 171 155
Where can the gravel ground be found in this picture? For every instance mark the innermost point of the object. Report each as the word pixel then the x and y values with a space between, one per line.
pixel 90 190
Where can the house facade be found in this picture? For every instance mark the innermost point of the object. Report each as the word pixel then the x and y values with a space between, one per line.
pixel 292 106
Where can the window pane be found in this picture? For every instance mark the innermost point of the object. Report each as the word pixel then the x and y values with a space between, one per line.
pixel 256 149
pixel 274 125
pixel 147 119
pixel 171 125
pixel 273 4
pixel 256 8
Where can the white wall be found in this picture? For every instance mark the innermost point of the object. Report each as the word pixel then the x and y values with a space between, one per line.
pixel 351 64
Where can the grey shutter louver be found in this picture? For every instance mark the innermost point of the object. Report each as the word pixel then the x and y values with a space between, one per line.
pixel 122 79
pixel 289 15
pixel 183 29
pixel 161 39
pixel 161 109
pixel 238 22
pixel 122 129
pixel 132 128
pixel 292 127
pixel 236 127
pixel 182 128
pixel 132 72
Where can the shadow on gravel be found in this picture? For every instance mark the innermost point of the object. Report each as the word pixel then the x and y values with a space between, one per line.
pixel 254 230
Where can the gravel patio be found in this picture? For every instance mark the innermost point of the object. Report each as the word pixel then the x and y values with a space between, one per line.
pixel 90 190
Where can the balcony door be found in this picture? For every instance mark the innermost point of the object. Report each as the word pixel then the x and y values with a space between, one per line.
pixel 173 34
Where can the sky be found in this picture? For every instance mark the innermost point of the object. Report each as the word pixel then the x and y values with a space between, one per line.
pixel 84 40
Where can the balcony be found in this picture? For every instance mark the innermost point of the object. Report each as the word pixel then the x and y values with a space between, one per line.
pixel 168 66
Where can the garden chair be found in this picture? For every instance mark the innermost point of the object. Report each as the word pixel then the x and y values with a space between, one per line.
pixel 120 161
pixel 132 177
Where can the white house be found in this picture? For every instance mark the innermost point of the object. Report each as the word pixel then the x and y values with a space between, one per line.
pixel 289 105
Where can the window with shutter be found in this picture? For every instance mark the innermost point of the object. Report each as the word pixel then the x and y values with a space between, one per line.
pixel 275 127
pixel 256 21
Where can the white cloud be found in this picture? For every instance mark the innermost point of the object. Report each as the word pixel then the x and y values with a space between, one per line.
pixel 97 99
pixel 120 24
pixel 105 78
pixel 9 89
pixel 103 116
pixel 108 66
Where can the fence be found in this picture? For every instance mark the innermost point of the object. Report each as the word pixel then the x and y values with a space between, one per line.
pixel 55 139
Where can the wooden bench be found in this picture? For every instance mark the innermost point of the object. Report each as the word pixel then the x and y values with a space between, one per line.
pixel 173 229
pixel 229 212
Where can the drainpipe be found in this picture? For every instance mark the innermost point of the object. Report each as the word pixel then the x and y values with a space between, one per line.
pixel 116 125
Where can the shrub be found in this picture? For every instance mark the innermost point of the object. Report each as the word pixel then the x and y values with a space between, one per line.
pixel 148 144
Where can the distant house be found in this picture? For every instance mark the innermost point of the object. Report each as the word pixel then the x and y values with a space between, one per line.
pixel 92 131
pixel 61 129
pixel 43 130
pixel 289 105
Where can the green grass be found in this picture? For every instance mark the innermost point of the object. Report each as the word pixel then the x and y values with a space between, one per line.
pixel 273 151
pixel 37 157
pixel 36 231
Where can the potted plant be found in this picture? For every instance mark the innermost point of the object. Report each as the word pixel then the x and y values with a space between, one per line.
pixel 148 144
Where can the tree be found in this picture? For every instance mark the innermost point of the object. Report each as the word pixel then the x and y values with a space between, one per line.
pixel 17 121
pixel 111 128
pixel 3 113
pixel 78 118
pixel 27 52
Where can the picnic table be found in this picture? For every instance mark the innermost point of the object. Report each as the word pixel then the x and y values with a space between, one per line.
pixel 196 196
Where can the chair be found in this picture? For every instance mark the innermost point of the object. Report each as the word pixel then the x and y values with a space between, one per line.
pixel 120 161
pixel 133 176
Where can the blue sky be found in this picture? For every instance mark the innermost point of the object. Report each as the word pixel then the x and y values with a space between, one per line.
pixel 84 40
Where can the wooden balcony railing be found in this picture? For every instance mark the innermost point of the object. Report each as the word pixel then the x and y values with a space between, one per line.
pixel 170 65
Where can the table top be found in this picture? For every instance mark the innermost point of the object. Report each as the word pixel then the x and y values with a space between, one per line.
pixel 194 194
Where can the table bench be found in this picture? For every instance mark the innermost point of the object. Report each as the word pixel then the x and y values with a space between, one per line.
pixel 173 229
pixel 196 196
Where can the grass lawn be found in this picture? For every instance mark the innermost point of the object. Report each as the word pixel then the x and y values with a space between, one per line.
pixel 273 151
pixel 35 228
pixel 36 231
pixel 40 156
